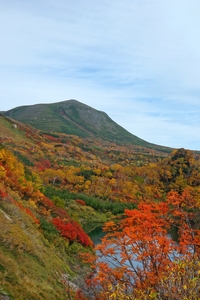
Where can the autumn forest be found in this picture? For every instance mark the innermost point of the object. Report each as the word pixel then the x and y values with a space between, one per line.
pixel 55 188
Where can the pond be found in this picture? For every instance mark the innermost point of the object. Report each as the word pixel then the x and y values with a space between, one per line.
pixel 96 235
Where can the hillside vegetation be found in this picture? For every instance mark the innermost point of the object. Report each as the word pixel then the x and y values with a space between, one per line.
pixel 56 187
pixel 73 117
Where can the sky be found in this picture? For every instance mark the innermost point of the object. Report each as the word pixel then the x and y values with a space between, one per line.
pixel 136 60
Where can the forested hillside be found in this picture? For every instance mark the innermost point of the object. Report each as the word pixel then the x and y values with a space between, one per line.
pixel 55 188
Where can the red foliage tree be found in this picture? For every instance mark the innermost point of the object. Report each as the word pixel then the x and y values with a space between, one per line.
pixel 72 231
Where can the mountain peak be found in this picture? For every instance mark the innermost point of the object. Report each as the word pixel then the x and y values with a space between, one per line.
pixel 74 117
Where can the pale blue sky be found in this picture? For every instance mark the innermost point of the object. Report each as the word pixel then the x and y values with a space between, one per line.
pixel 136 60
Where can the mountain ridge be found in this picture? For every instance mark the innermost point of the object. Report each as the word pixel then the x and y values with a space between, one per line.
pixel 74 117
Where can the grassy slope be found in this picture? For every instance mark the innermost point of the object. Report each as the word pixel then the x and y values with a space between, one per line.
pixel 30 267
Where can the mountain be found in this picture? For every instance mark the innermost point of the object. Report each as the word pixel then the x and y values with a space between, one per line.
pixel 74 117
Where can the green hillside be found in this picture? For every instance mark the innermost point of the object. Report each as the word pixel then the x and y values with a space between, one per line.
pixel 73 117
